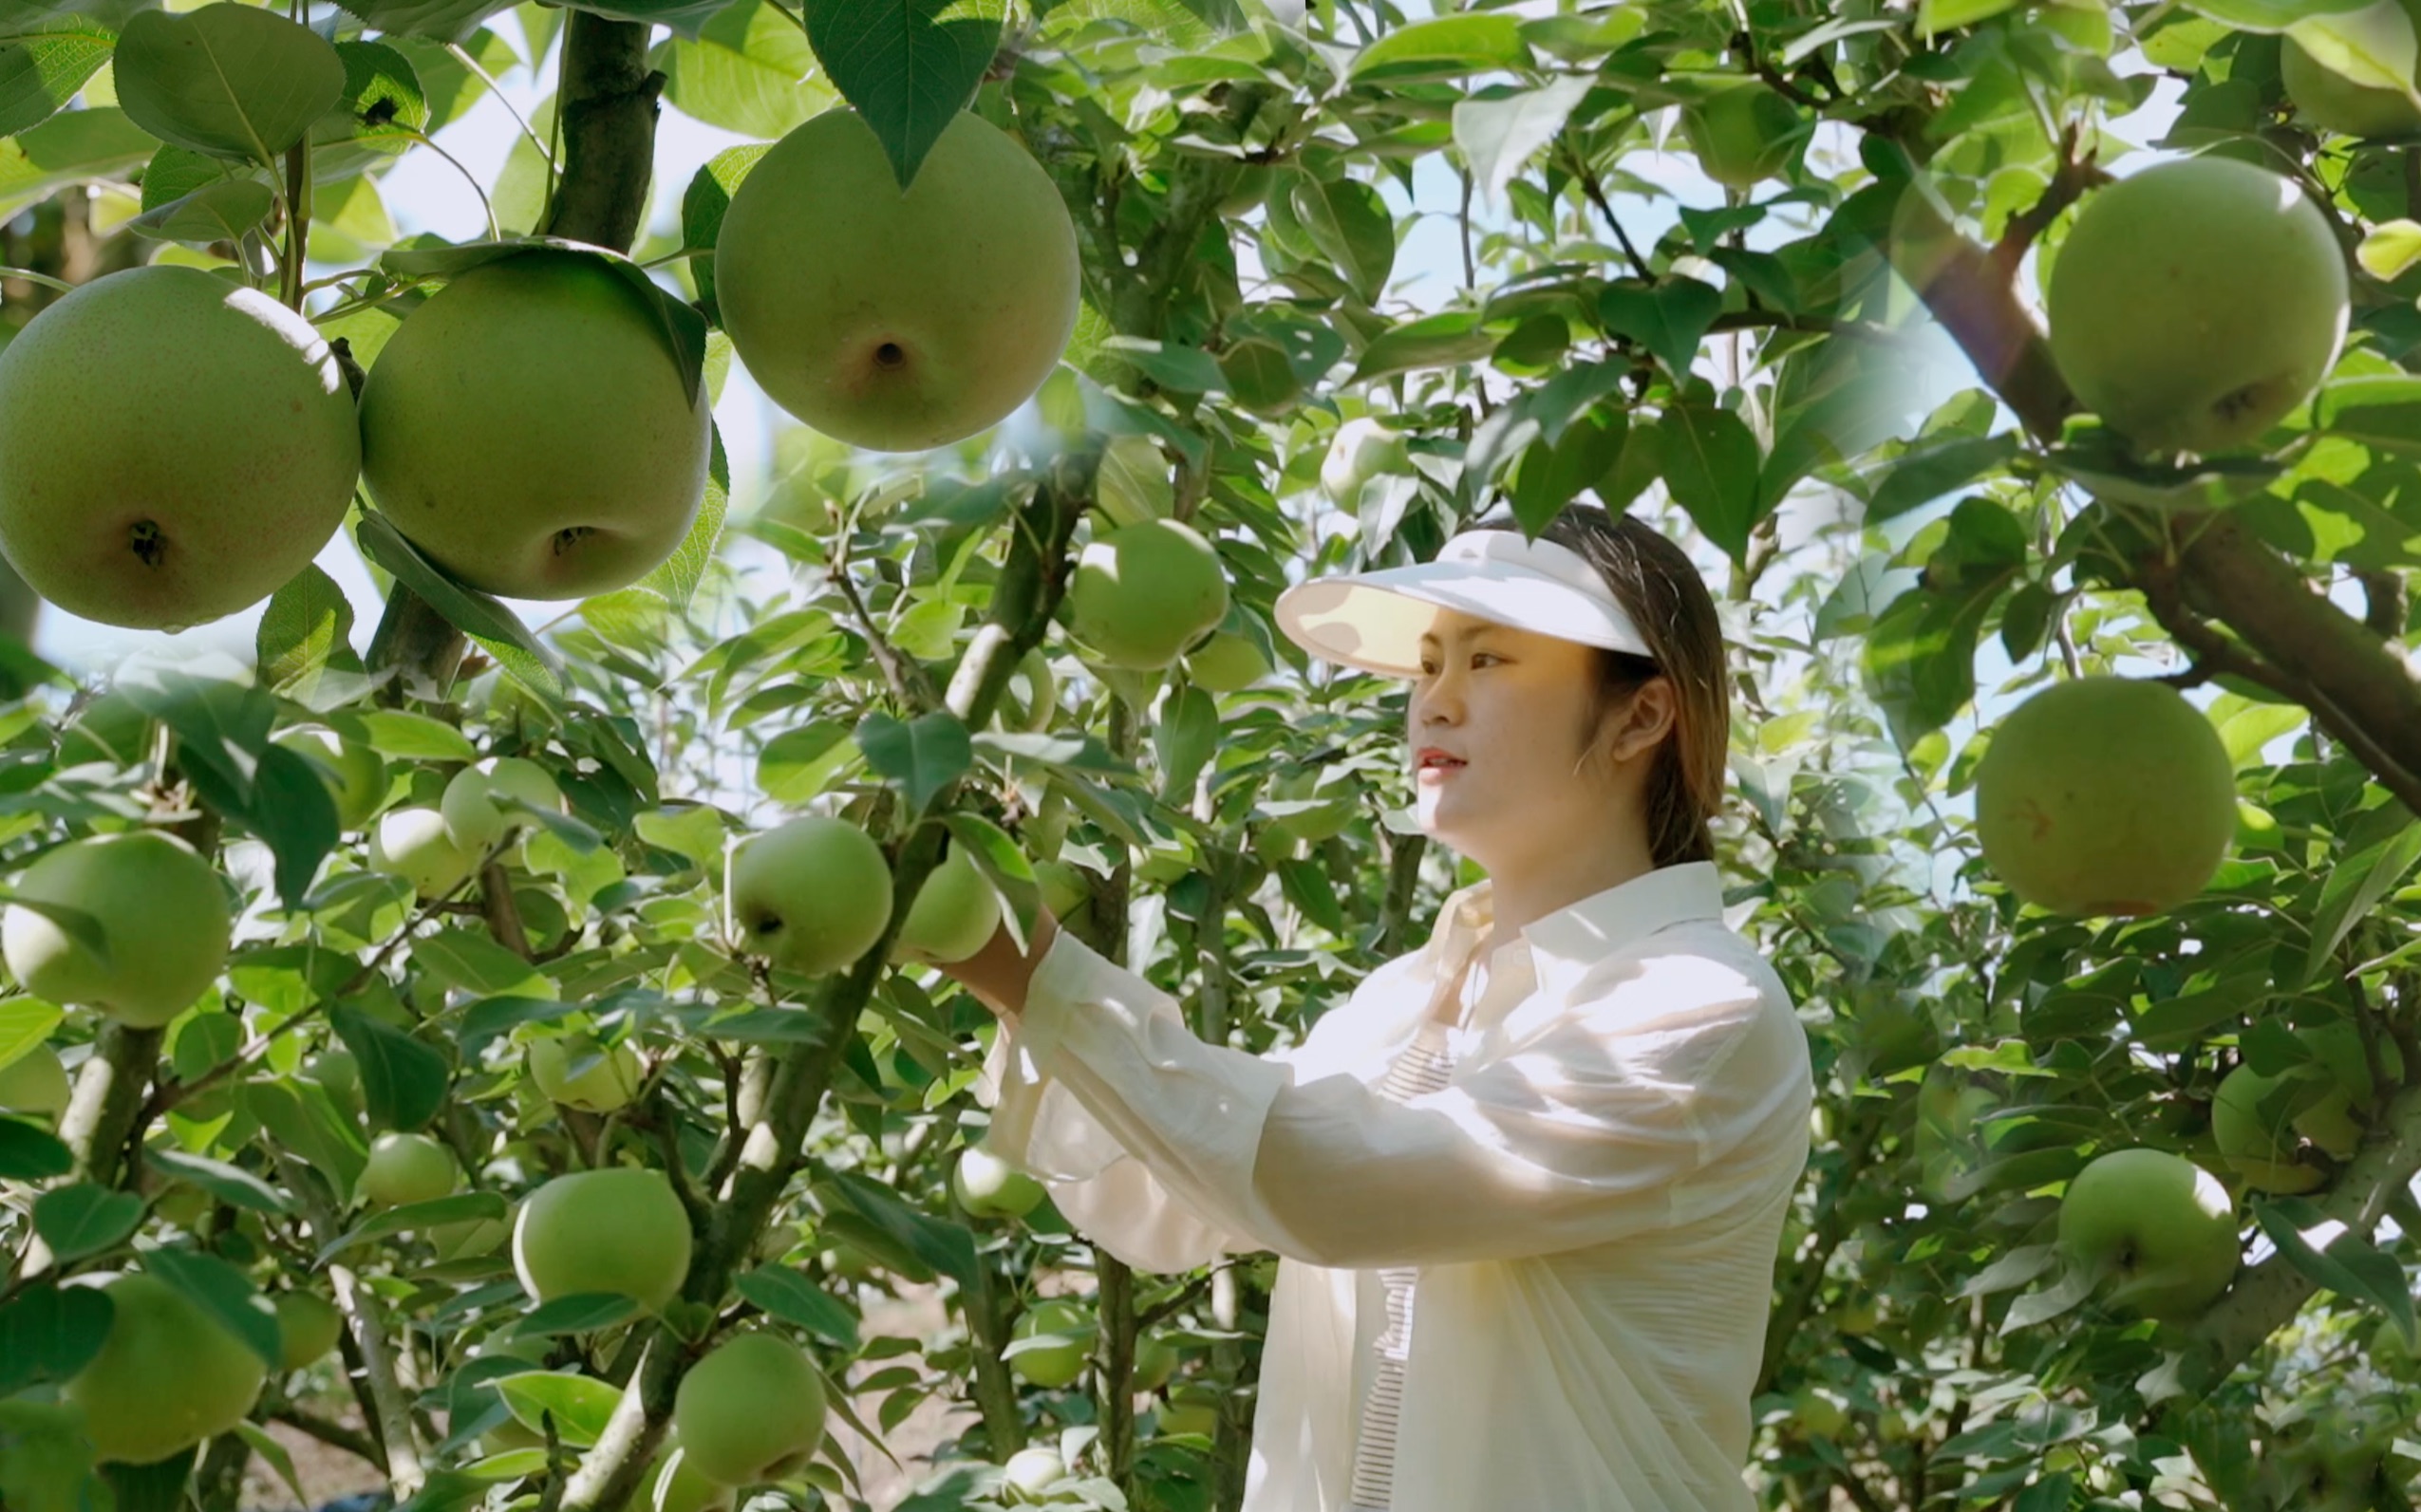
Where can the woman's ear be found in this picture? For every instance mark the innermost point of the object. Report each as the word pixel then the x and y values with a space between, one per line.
pixel 1634 727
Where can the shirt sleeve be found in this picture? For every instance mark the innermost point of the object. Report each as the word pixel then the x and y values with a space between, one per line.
pixel 1674 1087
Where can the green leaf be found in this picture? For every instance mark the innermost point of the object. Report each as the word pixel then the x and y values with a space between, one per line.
pixel 479 615
pixel 375 118
pixel 222 1291
pixel 1669 319
pixel 229 1184
pixel 2352 1266
pixel 1711 464
pixel 158 1487
pixel 1447 338
pixel 1498 135
pixel 922 757
pixel 580 1407
pixel 746 72
pixel 226 211
pixel 785 1294
pixel 174 172
pixel 1550 475
pixel 403 1081
pixel 233 80
pixel 70 148
pixel 798 763
pixel 2373 46
pixel 702 207
pixel 583 1313
pixel 308 1123
pixel 2268 15
pixel 945 1247
pixel 2390 249
pixel 1921 659
pixel 296 815
pixel 460 1207
pixel 48 1332
pixel 84 1219
pixel 1923 475
pixel 1350 222
pixel 445 20
pixel 676 578
pixel 1943 15
pixel 905 69
pixel 476 963
pixel 1446 47
pixel 25 1022
pixel 221 719
pixel 410 737
pixel 2353 889
pixel 307 629
pixel 42 69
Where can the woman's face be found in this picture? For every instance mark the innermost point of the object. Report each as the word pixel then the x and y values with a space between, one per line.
pixel 1507 707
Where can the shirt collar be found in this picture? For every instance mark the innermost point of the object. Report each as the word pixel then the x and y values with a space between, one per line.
pixel 1565 945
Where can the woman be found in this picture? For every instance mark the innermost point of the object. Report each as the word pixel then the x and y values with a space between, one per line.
pixel 1528 1183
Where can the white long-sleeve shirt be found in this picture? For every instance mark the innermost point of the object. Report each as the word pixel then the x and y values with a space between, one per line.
pixel 1591 1204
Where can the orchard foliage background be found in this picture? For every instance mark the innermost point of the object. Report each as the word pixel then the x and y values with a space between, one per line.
pixel 1890 578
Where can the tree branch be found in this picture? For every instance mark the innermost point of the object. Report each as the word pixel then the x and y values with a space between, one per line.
pixel 366 1319
pixel 610 103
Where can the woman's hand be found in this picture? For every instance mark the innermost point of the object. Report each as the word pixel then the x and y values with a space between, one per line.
pixel 996 975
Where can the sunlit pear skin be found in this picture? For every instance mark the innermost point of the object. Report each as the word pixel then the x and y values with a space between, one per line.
pixel 172 448
pixel 610 1080
pixel 1142 593
pixel 528 429
pixel 954 915
pixel 308 1325
pixel 35 1082
pixel 160 907
pixel 2196 303
pixel 1361 449
pixel 2105 796
pixel 2329 100
pixel 812 894
pixel 355 776
pixel 619 1230
pixel 753 1403
pixel 414 844
pixel 1032 1471
pixel 169 1377
pixel 2163 1224
pixel 896 321
pixel 407 1168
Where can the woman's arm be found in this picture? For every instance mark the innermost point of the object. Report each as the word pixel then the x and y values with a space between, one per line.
pixel 997 974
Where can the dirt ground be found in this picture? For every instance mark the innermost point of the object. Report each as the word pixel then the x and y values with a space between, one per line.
pixel 330 1474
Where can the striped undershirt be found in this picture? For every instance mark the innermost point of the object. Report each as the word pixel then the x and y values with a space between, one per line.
pixel 1421 1068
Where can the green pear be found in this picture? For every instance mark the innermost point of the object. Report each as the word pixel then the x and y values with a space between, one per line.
pixel 897 320
pixel 1226 664
pixel 620 1230
pixel 308 1326
pixel 356 778
pixel 811 895
pixel 2105 796
pixel 608 1080
pixel 2331 100
pixel 405 1169
pixel 168 1376
pixel 1744 133
pixel 1032 1471
pixel 676 1485
pixel 475 820
pixel 1072 1330
pixel 414 844
pixel 527 428
pixel 172 448
pixel 955 914
pixel 162 912
pixel 35 1082
pixel 989 1187
pixel 2196 303
pixel 752 1405
pixel 2255 1134
pixel 1142 593
pixel 2163 1226
pixel 1361 449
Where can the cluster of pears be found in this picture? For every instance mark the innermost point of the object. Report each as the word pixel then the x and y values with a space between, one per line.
pixel 813 894
pixel 2194 305
pixel 175 447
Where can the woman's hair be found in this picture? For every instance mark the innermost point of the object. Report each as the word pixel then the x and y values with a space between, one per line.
pixel 1660 588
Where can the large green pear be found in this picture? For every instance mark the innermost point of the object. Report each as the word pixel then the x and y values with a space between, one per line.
pixel 1070 1329
pixel 1143 593
pixel 414 844
pixel 356 778
pixel 955 913
pixel 2105 796
pixel 620 1230
pixel 2331 100
pixel 528 429
pixel 407 1168
pixel 35 1082
pixel 2196 303
pixel 897 320
pixel 168 1376
pixel 812 894
pixel 476 817
pixel 2162 1225
pixel 172 448
pixel 162 913
pixel 749 1408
